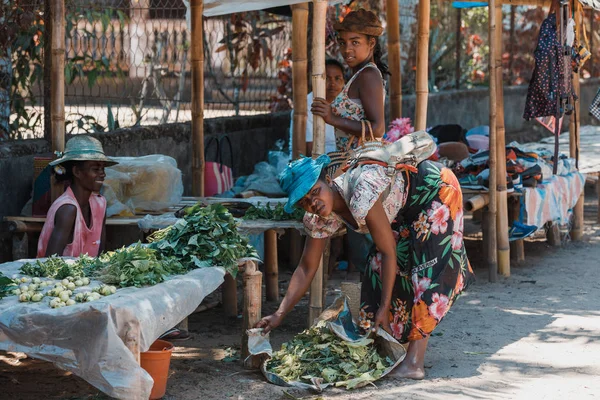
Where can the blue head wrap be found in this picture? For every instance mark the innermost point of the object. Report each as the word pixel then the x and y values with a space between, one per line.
pixel 299 177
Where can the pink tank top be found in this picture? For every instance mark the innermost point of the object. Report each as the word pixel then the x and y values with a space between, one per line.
pixel 85 240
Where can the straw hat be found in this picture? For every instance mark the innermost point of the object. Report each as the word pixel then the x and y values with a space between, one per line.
pixel 83 148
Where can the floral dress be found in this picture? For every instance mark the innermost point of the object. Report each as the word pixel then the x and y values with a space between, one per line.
pixel 345 107
pixel 425 211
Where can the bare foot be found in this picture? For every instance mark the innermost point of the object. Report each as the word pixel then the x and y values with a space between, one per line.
pixel 407 371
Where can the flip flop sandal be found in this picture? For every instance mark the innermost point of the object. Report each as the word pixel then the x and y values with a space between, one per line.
pixel 175 334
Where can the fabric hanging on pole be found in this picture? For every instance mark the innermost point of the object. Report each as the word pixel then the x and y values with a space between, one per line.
pixel 595 4
pixel 222 7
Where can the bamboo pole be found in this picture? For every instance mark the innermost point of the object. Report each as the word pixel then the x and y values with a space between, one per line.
pixel 395 63
pixel 422 84
pixel 197 65
pixel 503 244
pixel 318 84
pixel 458 72
pixel 271 266
pixel 477 202
pixel 577 228
pixel 229 296
pixel 517 247
pixel 58 86
pixel 490 215
pixel 318 72
pixel 252 306
pixel 299 77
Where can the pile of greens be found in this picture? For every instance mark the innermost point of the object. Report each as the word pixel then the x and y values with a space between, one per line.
pixel 273 213
pixel 56 267
pixel 7 286
pixel 319 353
pixel 136 265
pixel 205 237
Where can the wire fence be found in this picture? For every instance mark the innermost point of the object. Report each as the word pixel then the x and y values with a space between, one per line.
pixel 128 61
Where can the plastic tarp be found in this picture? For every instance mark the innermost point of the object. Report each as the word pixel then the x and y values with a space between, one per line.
pixel 88 338
pixel 148 183
pixel 222 7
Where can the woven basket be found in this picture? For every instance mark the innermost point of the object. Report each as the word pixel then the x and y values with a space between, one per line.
pixel 352 291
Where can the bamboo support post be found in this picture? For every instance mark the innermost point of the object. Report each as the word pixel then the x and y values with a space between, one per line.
pixel 489 220
pixel 132 340
pixel 271 266
pixel 197 67
pixel 318 72
pixel 477 202
pixel 229 296
pixel 517 247
pixel 553 234
pixel 422 83
pixel 394 61
pixel 58 86
pixel 326 257
pixel 503 244
pixel 252 305
pixel 299 77
pixel 315 305
pixel 574 130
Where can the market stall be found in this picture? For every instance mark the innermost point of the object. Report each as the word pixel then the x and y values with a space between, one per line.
pixel 101 340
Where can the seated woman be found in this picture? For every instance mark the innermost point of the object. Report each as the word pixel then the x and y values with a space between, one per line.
pixel 417 266
pixel 75 223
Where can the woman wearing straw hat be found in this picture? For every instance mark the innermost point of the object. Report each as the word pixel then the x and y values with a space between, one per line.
pixel 363 96
pixel 75 223
pixel 417 266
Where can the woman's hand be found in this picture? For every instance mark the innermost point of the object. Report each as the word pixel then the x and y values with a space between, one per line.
pixel 382 319
pixel 269 322
pixel 322 108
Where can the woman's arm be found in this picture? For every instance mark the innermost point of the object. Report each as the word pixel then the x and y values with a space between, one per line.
pixel 383 237
pixel 64 222
pixel 371 94
pixel 299 284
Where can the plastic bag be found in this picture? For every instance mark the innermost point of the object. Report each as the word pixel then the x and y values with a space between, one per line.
pixel 340 322
pixel 264 178
pixel 148 183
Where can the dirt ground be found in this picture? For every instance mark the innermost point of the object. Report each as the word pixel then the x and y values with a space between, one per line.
pixel 535 334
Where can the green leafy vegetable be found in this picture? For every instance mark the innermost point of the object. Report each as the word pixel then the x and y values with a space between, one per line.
pixel 56 267
pixel 319 353
pixel 273 213
pixel 205 237
pixel 6 286
pixel 136 265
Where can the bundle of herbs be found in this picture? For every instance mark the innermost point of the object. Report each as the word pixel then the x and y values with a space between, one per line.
pixel 56 267
pixel 204 237
pixel 319 353
pixel 273 212
pixel 136 265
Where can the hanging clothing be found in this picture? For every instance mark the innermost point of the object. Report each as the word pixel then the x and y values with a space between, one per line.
pixel 345 107
pixel 547 81
pixel 86 240
pixel 425 211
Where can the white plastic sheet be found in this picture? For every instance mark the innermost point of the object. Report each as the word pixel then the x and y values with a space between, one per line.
pixel 221 7
pixel 87 338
